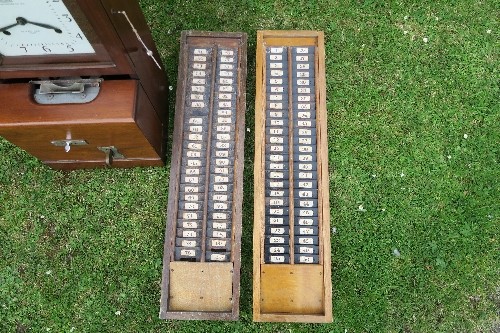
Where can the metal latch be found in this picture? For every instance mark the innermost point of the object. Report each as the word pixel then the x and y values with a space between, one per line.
pixel 111 153
pixel 67 91
pixel 68 143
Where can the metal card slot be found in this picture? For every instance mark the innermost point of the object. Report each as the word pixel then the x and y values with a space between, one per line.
pixel 281 58
pixel 306 203
pixel 217 233
pixel 277 201
pixel 279 131
pixel 277 230
pixel 194 180
pixel 188 224
pixel 306 194
pixel 305 175
pixel 185 189
pixel 305 185
pixel 187 253
pixel 277 193
pixel 305 97
pixel 306 212
pixel 307 132
pixel 276 184
pixel 219 225
pixel 302 73
pixel 281 211
pixel 301 249
pixel 304 123
pixel 217 256
pixel 276 139
pixel 218 244
pixel 277 166
pixel 276 240
pixel 306 259
pixel 277 220
pixel 305 230
pixel 220 196
pixel 306 221
pixel 304 140
pixel 221 179
pixel 219 205
pixel 222 128
pixel 303 49
pixel 276 249
pixel 304 111
pixel 277 258
pixel 221 188
pixel 197 111
pixel 277 157
pixel 305 157
pixel 277 175
pixel 195 163
pixel 306 240
pixel 219 215
pixel 275 149
pixel 190 205
pixel 188 233
pixel 274 88
pixel 305 166
pixel 188 242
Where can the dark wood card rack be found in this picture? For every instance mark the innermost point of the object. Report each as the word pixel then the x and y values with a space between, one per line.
pixel 292 273
pixel 201 264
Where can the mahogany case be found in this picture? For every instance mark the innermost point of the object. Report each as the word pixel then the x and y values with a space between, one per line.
pixel 125 126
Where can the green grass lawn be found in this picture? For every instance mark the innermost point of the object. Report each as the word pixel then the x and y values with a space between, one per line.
pixel 414 136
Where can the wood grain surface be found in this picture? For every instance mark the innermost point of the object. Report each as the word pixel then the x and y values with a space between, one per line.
pixel 291 292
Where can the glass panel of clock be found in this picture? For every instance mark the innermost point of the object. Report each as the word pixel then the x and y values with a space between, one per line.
pixel 290 155
pixel 204 219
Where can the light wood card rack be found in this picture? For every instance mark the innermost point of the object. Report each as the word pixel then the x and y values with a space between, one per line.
pixel 291 240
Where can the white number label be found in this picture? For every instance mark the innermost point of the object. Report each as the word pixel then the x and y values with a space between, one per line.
pixel 277 259
pixel 188 253
pixel 217 257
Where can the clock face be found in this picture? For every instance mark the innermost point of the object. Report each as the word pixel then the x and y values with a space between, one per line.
pixel 40 27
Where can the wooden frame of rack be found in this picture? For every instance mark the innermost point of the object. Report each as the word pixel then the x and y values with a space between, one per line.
pixel 291 292
pixel 199 287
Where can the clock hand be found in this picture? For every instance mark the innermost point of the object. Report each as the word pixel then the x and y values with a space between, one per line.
pixel 43 25
pixel 22 21
pixel 4 29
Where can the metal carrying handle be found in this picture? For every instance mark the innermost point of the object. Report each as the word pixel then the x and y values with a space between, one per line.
pixel 64 86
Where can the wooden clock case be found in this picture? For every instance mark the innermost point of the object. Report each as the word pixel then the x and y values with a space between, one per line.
pixel 124 126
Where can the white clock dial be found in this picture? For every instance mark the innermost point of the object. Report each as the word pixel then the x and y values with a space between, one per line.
pixel 39 27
